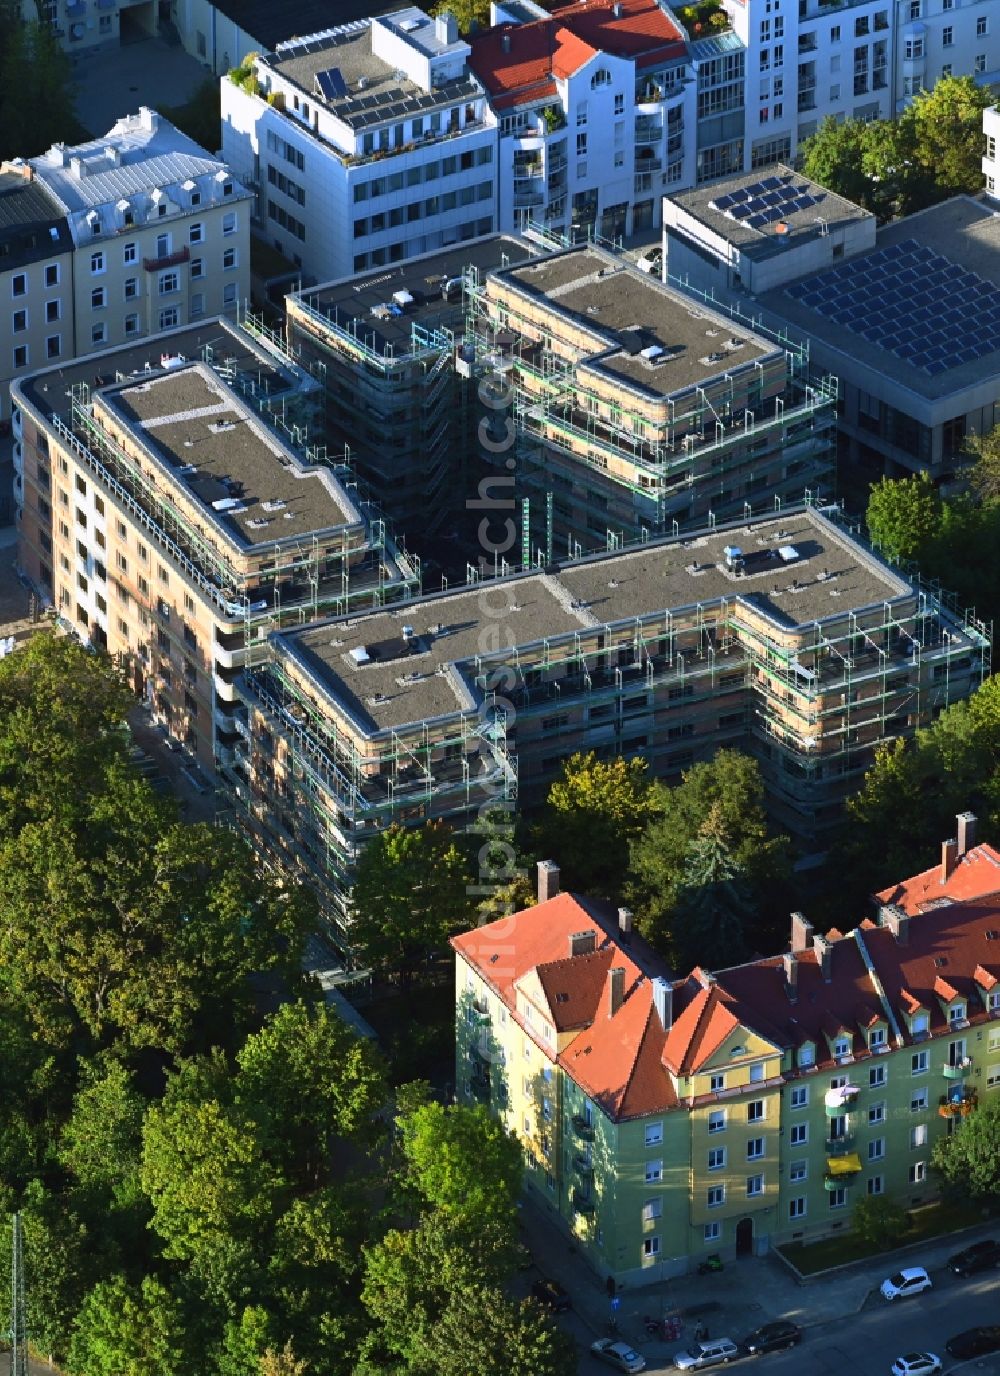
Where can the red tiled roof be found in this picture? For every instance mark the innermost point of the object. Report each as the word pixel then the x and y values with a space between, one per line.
pixel 572 987
pixel 974 876
pixel 565 41
pixel 619 1061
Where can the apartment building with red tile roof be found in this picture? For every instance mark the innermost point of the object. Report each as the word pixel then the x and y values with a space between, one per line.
pixel 662 1116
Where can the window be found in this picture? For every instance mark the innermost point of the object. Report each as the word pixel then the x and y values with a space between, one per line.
pixel 131 254
pixel 947 37
pixel 876 1149
pixel 229 294
pixel 982 26
pixel 654 1134
pixel 956 1014
pixel 716 1158
pixel 756 1072
pixel 197 268
pixel 131 324
pixel 619 104
pixel 229 222
pixel 168 283
pixel 654 1172
pixel 197 304
pixel 99 333
pixel 168 318
pixel 807 1053
pixel 20 321
pixel 838 1197
pixel 131 288
pixel 52 312
pixel 876 1113
pixel 876 1184
pixel 712 1232
pixel 917 1172
pixel 229 260
pixel 799 1097
pixel 842 1046
pixel 52 275
pixel 876 1038
pixel 798 1170
pixel 653 1208
pixel 980 63
pixel 835 34
pixel 581 145
pixel 876 1076
pixel 797 1207
pixel 651 1246
pixel 755 1111
pixel 53 346
pixel 97 263
pixel 914 9
pixel 755 1186
pixel 98 299
pixel 799 1134
pixel 717 1120
pixel 716 1196
pixel 718 1083
pixel 918 1136
pixel 919 1062
pixel 196 234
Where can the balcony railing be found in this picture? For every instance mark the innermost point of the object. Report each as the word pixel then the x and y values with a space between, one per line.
pixel 583 1129
pixel 583 1165
pixel 959 1069
pixel 583 1203
pixel 841 1144
pixel 169 260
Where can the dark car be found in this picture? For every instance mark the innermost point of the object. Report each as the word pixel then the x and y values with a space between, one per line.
pixel 975 1342
pixel 772 1337
pixel 552 1295
pixel 981 1256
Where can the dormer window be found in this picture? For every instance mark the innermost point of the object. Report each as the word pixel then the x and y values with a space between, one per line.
pixel 196 198
pixel 956 1014
pixel 993 1002
pixel 602 77
pixel 842 1046
pixel 919 1025
pixel 876 1038
pixel 807 1056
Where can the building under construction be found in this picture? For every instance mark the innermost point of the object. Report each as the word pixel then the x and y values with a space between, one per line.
pixel 782 635
pixel 638 410
pixel 170 512
pixel 388 343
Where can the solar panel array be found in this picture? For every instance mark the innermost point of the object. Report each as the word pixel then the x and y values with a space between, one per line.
pixel 927 310
pixel 762 203
pixel 331 84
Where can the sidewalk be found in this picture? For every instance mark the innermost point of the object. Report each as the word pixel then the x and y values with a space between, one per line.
pixel 747 1293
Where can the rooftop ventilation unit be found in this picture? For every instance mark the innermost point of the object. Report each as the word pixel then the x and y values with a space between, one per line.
pixel 360 655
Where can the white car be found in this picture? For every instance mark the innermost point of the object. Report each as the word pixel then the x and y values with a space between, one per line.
pixel 916 1364
pixel 709 1353
pixel 618 1354
pixel 912 1280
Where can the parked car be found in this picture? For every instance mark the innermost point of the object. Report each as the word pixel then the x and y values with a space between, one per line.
pixel 912 1280
pixel 917 1364
pixel 981 1256
pixel 709 1353
pixel 975 1342
pixel 552 1295
pixel 618 1354
pixel 772 1337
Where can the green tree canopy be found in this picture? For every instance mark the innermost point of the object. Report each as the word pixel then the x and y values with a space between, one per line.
pixel 593 813
pixel 101 1144
pixel 410 895
pixel 462 1162
pixel 969 1159
pixel 904 516
pixel 127 1331
pixel 945 128
pixel 878 1221
pixel 36 86
pixel 469 14
pixel 715 908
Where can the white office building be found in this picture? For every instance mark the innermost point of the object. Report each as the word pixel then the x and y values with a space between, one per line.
pixel 368 144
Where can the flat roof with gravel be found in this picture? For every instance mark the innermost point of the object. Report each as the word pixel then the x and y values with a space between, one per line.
pixel 250 484
pixel 390 669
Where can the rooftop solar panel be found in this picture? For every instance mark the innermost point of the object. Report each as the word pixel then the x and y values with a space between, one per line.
pixel 331 84
pixel 771 183
pixel 757 221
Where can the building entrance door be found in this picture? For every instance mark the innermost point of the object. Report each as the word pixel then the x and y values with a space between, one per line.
pixel 744 1237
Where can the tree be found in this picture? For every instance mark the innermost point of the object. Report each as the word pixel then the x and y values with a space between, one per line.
pixel 36 86
pixel 878 1221
pixel 307 1078
pixel 410 895
pixel 100 1146
pixel 945 127
pixel 715 907
pixel 969 1158
pixel 984 477
pixel 729 790
pixel 904 516
pixel 462 1162
pixel 469 14
pixel 594 811
pixel 482 1330
pixel 836 155
pixel 124 1331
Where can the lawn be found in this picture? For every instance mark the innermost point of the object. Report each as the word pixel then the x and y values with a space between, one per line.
pixel 933 1221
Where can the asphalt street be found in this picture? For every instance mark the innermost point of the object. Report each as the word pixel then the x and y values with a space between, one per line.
pixel 867 1343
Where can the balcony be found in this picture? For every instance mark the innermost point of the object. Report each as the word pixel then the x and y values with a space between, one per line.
pixel 479 1011
pixel 841 1170
pixel 959 1070
pixel 648 131
pixel 583 1129
pixel 807 43
pixel 525 195
pixel 646 160
pixel 841 1144
pixel 959 1103
pixel 840 1100
pixel 169 260
pixel 583 1203
pixel 807 101
pixel 583 1165
pixel 479 1086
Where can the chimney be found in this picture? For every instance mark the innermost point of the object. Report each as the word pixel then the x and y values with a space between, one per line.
pixel 663 1002
pixel 548 880
pixel 966 832
pixel 616 989
pixel 446 28
pixel 625 922
pixel 949 856
pixel 148 119
pixel 505 42
pixel 824 953
pixel 802 933
pixel 582 943
pixel 78 168
pixel 892 917
pixel 791 965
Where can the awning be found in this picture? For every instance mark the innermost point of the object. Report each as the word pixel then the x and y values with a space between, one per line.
pixel 843 1165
